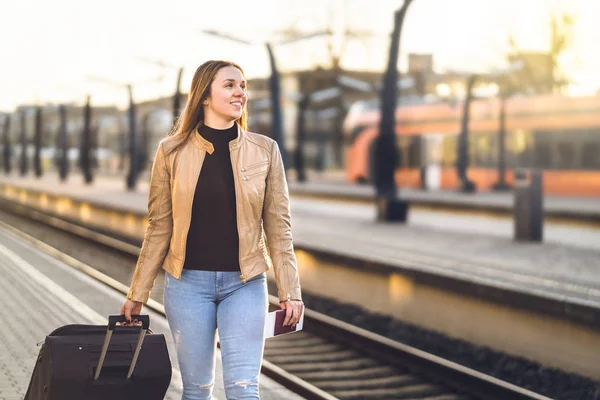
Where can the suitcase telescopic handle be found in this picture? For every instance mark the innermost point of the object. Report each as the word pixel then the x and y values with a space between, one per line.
pixel 112 322
pixel 114 319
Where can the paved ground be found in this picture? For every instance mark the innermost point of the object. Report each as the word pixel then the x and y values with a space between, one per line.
pixel 584 237
pixel 331 184
pixel 39 294
pixel 553 205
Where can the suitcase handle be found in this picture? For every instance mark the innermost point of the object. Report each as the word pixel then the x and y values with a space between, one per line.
pixel 114 319
pixel 112 322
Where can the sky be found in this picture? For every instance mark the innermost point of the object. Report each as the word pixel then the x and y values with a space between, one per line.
pixel 61 50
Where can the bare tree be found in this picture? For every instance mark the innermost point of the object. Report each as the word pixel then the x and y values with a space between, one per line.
pixel 339 34
pixel 561 32
pixel 561 38
pixel 344 33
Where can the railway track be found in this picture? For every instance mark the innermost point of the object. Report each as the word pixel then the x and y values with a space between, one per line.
pixel 328 360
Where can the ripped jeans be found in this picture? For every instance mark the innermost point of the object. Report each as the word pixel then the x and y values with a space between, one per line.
pixel 199 304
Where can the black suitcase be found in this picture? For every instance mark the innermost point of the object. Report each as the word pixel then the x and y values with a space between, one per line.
pixel 91 362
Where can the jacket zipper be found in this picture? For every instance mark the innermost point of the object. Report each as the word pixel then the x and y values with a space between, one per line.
pixel 259 164
pixel 237 209
pixel 254 166
pixel 248 177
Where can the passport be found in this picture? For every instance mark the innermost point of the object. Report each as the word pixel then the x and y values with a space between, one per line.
pixel 274 324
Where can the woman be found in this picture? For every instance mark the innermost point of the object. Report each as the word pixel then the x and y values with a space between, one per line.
pixel 216 191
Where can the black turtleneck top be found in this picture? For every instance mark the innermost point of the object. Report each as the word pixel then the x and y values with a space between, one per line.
pixel 213 240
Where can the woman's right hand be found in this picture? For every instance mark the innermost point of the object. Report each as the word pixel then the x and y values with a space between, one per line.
pixel 129 308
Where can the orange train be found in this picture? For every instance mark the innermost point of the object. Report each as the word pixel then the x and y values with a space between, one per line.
pixel 559 135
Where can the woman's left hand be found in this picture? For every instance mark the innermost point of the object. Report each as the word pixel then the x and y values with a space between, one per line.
pixel 293 311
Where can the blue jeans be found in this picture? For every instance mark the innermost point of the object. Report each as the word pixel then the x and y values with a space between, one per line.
pixel 199 304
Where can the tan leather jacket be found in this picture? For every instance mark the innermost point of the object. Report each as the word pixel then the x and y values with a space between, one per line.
pixel 262 202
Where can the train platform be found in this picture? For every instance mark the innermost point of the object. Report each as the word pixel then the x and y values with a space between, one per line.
pixel 583 209
pixel 39 293
pixel 332 185
pixel 475 248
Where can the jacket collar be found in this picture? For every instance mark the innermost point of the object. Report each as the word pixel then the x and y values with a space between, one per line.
pixel 207 146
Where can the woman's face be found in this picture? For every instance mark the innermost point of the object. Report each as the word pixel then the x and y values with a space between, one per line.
pixel 227 97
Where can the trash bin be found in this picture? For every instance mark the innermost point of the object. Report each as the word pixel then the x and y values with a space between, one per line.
pixel 528 209
pixel 392 210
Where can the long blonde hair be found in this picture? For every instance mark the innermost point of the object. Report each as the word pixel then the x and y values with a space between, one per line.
pixel 192 116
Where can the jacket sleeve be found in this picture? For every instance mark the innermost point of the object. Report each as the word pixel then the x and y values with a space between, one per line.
pixel 278 229
pixel 158 232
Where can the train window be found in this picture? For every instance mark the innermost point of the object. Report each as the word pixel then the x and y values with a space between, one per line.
pixel 409 151
pixel 404 151
pixel 590 155
pixel 414 154
pixel 565 155
pixel 355 132
pixel 481 150
pixel 543 154
pixel 519 148
pixel 449 144
pixel 402 148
